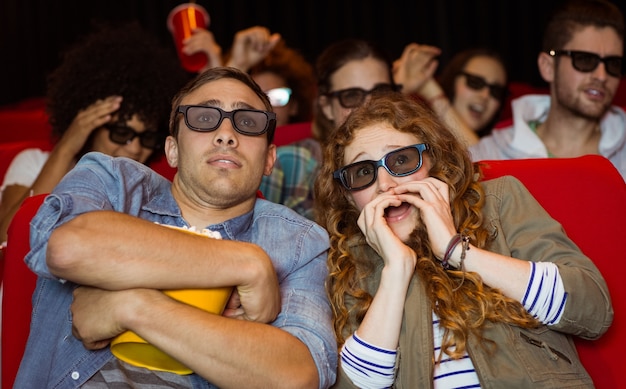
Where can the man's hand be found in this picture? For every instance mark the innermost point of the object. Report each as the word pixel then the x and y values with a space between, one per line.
pixel 94 320
pixel 259 299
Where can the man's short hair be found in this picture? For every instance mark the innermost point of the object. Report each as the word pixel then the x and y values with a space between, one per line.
pixel 574 15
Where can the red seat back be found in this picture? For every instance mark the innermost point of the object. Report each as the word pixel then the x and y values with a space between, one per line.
pixel 290 133
pixel 587 195
pixel 26 120
pixel 159 164
pixel 517 89
pixel 18 284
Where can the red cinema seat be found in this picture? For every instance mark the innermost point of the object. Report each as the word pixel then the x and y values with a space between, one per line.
pixel 587 195
pixel 18 284
pixel 293 132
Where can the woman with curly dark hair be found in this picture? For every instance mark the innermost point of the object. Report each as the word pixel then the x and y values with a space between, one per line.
pixel 111 93
pixel 438 279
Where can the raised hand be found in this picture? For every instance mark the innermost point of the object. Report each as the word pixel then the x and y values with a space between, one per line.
pixel 417 65
pixel 202 40
pixel 85 122
pixel 250 46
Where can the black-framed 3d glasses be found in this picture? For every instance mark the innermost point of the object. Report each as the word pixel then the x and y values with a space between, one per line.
pixel 399 163
pixel 123 135
pixel 476 82
pixel 354 97
pixel 586 62
pixel 203 118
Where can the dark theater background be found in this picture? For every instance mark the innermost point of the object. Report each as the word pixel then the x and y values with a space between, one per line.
pixel 32 33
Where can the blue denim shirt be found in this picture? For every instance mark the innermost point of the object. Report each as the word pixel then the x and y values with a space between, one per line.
pixel 297 247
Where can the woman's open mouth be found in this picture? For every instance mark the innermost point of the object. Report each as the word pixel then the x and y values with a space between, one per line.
pixel 397 213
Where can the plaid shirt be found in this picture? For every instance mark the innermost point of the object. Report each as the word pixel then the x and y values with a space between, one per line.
pixel 292 179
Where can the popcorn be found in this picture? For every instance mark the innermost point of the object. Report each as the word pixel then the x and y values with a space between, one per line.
pixel 194 230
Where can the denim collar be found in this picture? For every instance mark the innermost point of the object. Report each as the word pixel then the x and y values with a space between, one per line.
pixel 236 228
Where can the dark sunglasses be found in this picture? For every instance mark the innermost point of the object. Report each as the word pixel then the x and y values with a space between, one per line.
pixel 245 121
pixel 398 163
pixel 354 97
pixel 586 62
pixel 478 83
pixel 123 135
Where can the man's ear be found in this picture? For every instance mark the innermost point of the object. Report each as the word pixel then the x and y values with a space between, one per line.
pixel 171 151
pixel 270 160
pixel 547 66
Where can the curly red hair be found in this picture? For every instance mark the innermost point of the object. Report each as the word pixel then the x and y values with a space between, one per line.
pixel 462 302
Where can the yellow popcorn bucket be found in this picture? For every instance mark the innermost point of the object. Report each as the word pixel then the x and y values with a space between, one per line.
pixel 131 348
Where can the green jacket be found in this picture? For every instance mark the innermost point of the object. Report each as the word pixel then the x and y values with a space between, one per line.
pixel 523 229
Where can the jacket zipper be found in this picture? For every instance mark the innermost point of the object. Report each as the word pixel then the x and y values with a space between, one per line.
pixel 554 354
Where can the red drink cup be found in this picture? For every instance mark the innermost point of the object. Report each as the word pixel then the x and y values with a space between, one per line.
pixel 181 21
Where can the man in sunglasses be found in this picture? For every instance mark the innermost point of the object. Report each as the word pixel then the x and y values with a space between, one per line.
pixel 102 256
pixel 582 60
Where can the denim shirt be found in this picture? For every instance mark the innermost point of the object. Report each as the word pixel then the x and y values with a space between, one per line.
pixel 297 246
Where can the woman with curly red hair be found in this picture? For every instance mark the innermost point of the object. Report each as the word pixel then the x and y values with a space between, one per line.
pixel 438 279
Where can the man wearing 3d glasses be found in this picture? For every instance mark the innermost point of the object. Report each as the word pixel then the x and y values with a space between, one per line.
pixel 102 261
pixel 582 60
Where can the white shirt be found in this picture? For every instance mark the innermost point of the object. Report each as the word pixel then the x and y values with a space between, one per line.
pixel 519 141
pixel 25 168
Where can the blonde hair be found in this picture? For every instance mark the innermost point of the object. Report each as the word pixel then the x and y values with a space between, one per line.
pixel 462 302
